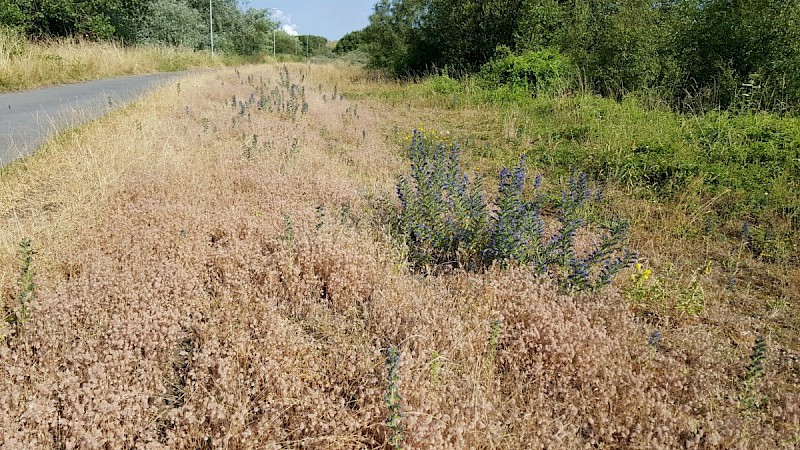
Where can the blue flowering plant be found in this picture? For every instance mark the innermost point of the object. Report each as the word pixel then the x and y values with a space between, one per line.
pixel 445 221
pixel 443 215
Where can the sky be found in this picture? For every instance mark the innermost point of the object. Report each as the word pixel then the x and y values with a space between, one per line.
pixel 330 19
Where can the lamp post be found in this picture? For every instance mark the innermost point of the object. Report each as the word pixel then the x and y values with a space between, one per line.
pixel 211 25
pixel 274 35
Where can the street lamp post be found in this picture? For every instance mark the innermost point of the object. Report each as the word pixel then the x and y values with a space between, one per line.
pixel 211 25
pixel 274 36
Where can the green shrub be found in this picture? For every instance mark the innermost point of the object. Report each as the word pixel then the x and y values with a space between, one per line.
pixel 542 71
pixel 443 84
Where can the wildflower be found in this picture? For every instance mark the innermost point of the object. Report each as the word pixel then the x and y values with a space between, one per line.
pixel 654 339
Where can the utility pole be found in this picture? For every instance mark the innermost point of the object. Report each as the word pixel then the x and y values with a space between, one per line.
pixel 211 25
pixel 274 34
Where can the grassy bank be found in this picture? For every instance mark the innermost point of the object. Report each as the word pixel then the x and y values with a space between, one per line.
pixel 213 266
pixel 25 64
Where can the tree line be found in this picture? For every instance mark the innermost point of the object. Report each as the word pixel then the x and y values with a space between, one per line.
pixel 183 23
pixel 693 52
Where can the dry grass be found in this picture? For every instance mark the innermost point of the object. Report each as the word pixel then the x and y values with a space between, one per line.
pixel 25 65
pixel 199 288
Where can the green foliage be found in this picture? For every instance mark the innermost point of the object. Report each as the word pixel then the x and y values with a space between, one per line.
pixel 542 71
pixel 17 315
pixel 248 32
pixel 464 34
pixel 390 36
pixel 393 397
pixel 313 45
pixel 244 32
pixel 349 42
pixel 749 396
pixel 172 22
pixel 539 23
pixel 691 301
pixel 286 44
pixel 443 84
pixel 12 14
pixel 93 19
pixel 698 54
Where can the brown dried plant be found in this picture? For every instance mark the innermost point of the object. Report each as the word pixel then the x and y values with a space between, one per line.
pixel 175 310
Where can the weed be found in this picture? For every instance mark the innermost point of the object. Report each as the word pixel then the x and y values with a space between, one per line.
pixel 494 338
pixel 251 147
pixel 16 316
pixel 691 301
pixel 749 396
pixel 435 368
pixel 654 340
pixel 320 212
pixel 733 262
pixel 288 231
pixel 644 294
pixel 393 397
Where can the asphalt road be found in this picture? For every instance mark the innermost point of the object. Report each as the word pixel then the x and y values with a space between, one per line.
pixel 27 118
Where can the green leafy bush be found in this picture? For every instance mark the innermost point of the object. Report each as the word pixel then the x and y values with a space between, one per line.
pixel 443 84
pixel 542 71
pixel 172 22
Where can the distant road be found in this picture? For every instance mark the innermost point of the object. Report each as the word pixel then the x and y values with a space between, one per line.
pixel 27 118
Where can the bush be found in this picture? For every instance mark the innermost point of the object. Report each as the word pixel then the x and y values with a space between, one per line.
pixel 443 84
pixel 543 71
pixel 445 221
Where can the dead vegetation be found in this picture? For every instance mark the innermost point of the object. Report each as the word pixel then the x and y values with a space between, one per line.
pixel 214 272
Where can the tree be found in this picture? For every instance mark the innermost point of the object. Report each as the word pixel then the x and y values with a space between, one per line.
pixel 313 45
pixel 285 43
pixel 172 22
pixel 236 31
pixel 467 32
pixel 349 42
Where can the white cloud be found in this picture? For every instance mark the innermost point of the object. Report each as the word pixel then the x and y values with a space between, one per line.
pixel 285 22
pixel 290 29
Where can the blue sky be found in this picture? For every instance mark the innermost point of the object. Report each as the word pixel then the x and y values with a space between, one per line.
pixel 331 19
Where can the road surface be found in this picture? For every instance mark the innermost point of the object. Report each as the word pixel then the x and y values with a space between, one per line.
pixel 28 118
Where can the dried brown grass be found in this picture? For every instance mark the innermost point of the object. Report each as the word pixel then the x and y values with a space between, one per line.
pixel 191 295
pixel 26 64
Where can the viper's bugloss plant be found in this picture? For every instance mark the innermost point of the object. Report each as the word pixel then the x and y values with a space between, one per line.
pixel 18 315
pixel 393 397
pixel 445 221
pixel 443 217
pixel 749 396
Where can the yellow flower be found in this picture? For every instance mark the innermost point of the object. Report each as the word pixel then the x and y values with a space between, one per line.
pixel 646 275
